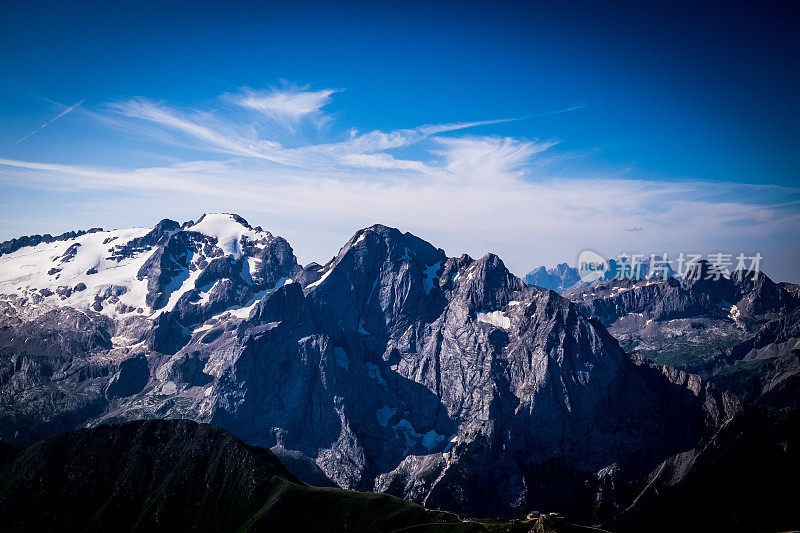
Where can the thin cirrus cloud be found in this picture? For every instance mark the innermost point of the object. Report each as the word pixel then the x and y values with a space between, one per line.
pixel 202 127
pixel 464 191
pixel 69 109
pixel 286 107
pixel 229 137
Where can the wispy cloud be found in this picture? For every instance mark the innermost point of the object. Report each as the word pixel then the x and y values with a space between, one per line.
pixel 470 193
pixel 287 107
pixel 487 158
pixel 200 127
pixel 574 107
pixel 40 128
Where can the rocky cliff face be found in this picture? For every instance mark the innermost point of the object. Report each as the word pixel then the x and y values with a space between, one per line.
pixel 745 296
pixel 444 380
pixel 693 324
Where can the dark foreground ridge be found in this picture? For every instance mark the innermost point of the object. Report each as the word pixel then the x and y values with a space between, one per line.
pixel 178 475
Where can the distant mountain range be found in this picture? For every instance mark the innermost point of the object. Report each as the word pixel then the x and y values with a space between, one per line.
pixel 564 277
pixel 394 368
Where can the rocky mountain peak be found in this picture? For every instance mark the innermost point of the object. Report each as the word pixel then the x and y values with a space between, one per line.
pixel 379 278
pixel 705 278
pixel 487 284
pixel 559 279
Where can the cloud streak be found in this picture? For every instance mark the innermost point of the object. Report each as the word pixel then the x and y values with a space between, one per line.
pixel 43 126
pixel 287 107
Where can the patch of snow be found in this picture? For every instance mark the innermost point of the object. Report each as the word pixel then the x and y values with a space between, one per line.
pixel 567 402
pixel 372 290
pixel 432 439
pixel 187 282
pixel 119 340
pixel 374 372
pixel 320 280
pixel 250 269
pixel 26 270
pixel 430 275
pixel 227 231
pixel 406 431
pixel 245 310
pixel 341 357
pixel 450 443
pixel 384 414
pixel 495 318
pixel 202 327
pixel 361 237
pixel 205 292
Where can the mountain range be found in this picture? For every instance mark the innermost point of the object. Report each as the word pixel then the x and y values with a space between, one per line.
pixel 393 368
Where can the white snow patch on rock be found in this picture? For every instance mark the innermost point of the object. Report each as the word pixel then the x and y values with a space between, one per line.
pixel 187 284
pixel 384 414
pixel 432 439
pixel 26 270
pixel 361 237
pixel 320 280
pixel 227 230
pixel 341 357
pixel 430 275
pixel 375 373
pixel 406 431
pixel 495 318
pixel 245 310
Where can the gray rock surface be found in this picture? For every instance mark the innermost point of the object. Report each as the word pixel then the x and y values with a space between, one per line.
pixel 693 324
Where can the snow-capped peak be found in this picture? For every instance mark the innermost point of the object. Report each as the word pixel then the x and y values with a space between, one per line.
pixel 116 272
pixel 228 229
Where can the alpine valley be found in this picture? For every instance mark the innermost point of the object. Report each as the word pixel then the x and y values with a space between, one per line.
pixel 634 405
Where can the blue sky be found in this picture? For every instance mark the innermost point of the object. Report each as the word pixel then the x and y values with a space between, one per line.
pixel 530 130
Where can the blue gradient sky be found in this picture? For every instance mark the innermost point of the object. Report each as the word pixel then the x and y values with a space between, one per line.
pixel 664 106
